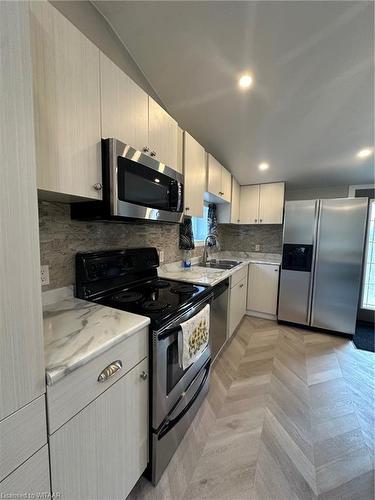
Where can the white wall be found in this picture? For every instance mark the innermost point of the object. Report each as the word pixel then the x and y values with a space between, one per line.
pixel 313 193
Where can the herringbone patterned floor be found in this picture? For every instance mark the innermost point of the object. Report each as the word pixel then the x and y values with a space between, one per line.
pixel 289 415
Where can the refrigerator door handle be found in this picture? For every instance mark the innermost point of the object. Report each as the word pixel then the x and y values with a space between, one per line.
pixel 316 242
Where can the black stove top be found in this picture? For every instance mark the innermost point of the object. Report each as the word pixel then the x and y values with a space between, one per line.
pixel 127 280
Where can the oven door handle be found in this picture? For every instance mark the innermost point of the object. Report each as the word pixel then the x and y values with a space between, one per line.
pixel 170 423
pixel 175 326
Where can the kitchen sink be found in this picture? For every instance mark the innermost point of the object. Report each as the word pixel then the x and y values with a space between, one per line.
pixel 220 264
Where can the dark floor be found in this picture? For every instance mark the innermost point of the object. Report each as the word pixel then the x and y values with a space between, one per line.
pixel 364 337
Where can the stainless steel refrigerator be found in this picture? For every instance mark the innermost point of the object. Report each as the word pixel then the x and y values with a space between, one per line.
pixel 320 277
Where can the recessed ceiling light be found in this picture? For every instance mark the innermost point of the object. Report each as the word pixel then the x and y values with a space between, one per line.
pixel 364 153
pixel 263 166
pixel 245 81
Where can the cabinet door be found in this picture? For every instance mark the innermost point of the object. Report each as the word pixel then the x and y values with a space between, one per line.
pixel 163 135
pixel 249 204
pixel 21 334
pixel 103 450
pixel 235 203
pixel 214 169
pixel 195 176
pixel 262 288
pixel 237 304
pixel 226 184
pixel 271 203
pixel 67 105
pixel 124 106
pixel 30 480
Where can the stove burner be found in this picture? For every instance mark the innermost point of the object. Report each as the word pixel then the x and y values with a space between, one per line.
pixel 160 284
pixel 128 297
pixel 154 305
pixel 184 288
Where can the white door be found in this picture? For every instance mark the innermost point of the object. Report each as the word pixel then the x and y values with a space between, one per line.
pixel 103 450
pixel 271 203
pixel 194 176
pixel 249 204
pixel 67 105
pixel 262 288
pixel 237 303
pixel 163 135
pixel 124 106
pixel 226 185
pixel 21 334
pixel 214 169
pixel 235 203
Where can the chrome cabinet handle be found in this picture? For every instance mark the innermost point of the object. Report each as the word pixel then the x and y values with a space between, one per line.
pixel 143 375
pixel 255 220
pixel 110 370
pixel 241 286
pixel 146 149
pixel 153 153
pixel 98 186
pixel 187 208
pixel 260 220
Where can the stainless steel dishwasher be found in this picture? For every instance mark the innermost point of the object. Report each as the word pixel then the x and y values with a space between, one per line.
pixel 218 317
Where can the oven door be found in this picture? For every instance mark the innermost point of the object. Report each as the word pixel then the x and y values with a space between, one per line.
pixel 169 380
pixel 142 187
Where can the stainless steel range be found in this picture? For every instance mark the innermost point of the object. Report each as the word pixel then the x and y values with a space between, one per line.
pixel 127 280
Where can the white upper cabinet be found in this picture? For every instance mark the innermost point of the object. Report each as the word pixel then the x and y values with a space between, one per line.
pixel 229 213
pixel 67 105
pixel 124 106
pixel 21 334
pixel 262 203
pixel 194 175
pixel 163 135
pixel 271 203
pixel 249 204
pixel 219 182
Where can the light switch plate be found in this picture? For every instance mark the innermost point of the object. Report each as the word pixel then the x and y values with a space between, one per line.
pixel 44 275
pixel 257 248
pixel 161 256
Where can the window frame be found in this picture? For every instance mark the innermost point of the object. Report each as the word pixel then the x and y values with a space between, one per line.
pixel 200 243
pixel 364 304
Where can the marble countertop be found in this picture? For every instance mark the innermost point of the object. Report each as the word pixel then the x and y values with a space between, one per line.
pixel 77 331
pixel 210 276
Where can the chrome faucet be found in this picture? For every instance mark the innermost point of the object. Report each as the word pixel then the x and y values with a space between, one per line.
pixel 205 250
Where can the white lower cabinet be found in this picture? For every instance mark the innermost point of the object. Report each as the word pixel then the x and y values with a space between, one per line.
pixel 237 300
pixel 30 480
pixel 103 450
pixel 262 289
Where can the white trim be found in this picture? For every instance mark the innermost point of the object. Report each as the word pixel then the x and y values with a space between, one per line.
pixel 261 315
pixel 366 306
pixel 354 187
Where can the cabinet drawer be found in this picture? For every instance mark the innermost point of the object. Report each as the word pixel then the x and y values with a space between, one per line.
pixel 69 395
pixel 238 276
pixel 21 435
pixel 31 480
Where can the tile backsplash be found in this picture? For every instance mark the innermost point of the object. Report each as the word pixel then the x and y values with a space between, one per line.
pixel 61 238
pixel 244 238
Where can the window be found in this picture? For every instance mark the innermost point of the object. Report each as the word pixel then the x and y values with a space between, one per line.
pixel 200 227
pixel 368 290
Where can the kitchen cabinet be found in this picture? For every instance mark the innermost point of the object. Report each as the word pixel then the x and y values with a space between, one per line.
pixel 67 107
pixel 262 289
pixel 194 176
pixel 103 450
pixel 31 478
pixel 219 182
pixel 21 352
pixel 229 213
pixel 237 299
pixel 124 106
pixel 262 203
pixel 163 135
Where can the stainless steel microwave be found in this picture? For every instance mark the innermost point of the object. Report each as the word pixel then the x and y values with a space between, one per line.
pixel 135 186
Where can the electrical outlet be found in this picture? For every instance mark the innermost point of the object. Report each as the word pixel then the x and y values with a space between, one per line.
pixel 44 275
pixel 161 256
pixel 257 248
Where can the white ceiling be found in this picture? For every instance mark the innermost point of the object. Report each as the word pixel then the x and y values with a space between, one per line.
pixel 312 105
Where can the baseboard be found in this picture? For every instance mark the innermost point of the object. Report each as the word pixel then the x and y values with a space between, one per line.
pixel 261 315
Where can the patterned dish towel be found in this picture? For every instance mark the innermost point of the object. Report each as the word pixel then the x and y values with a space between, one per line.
pixel 194 338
